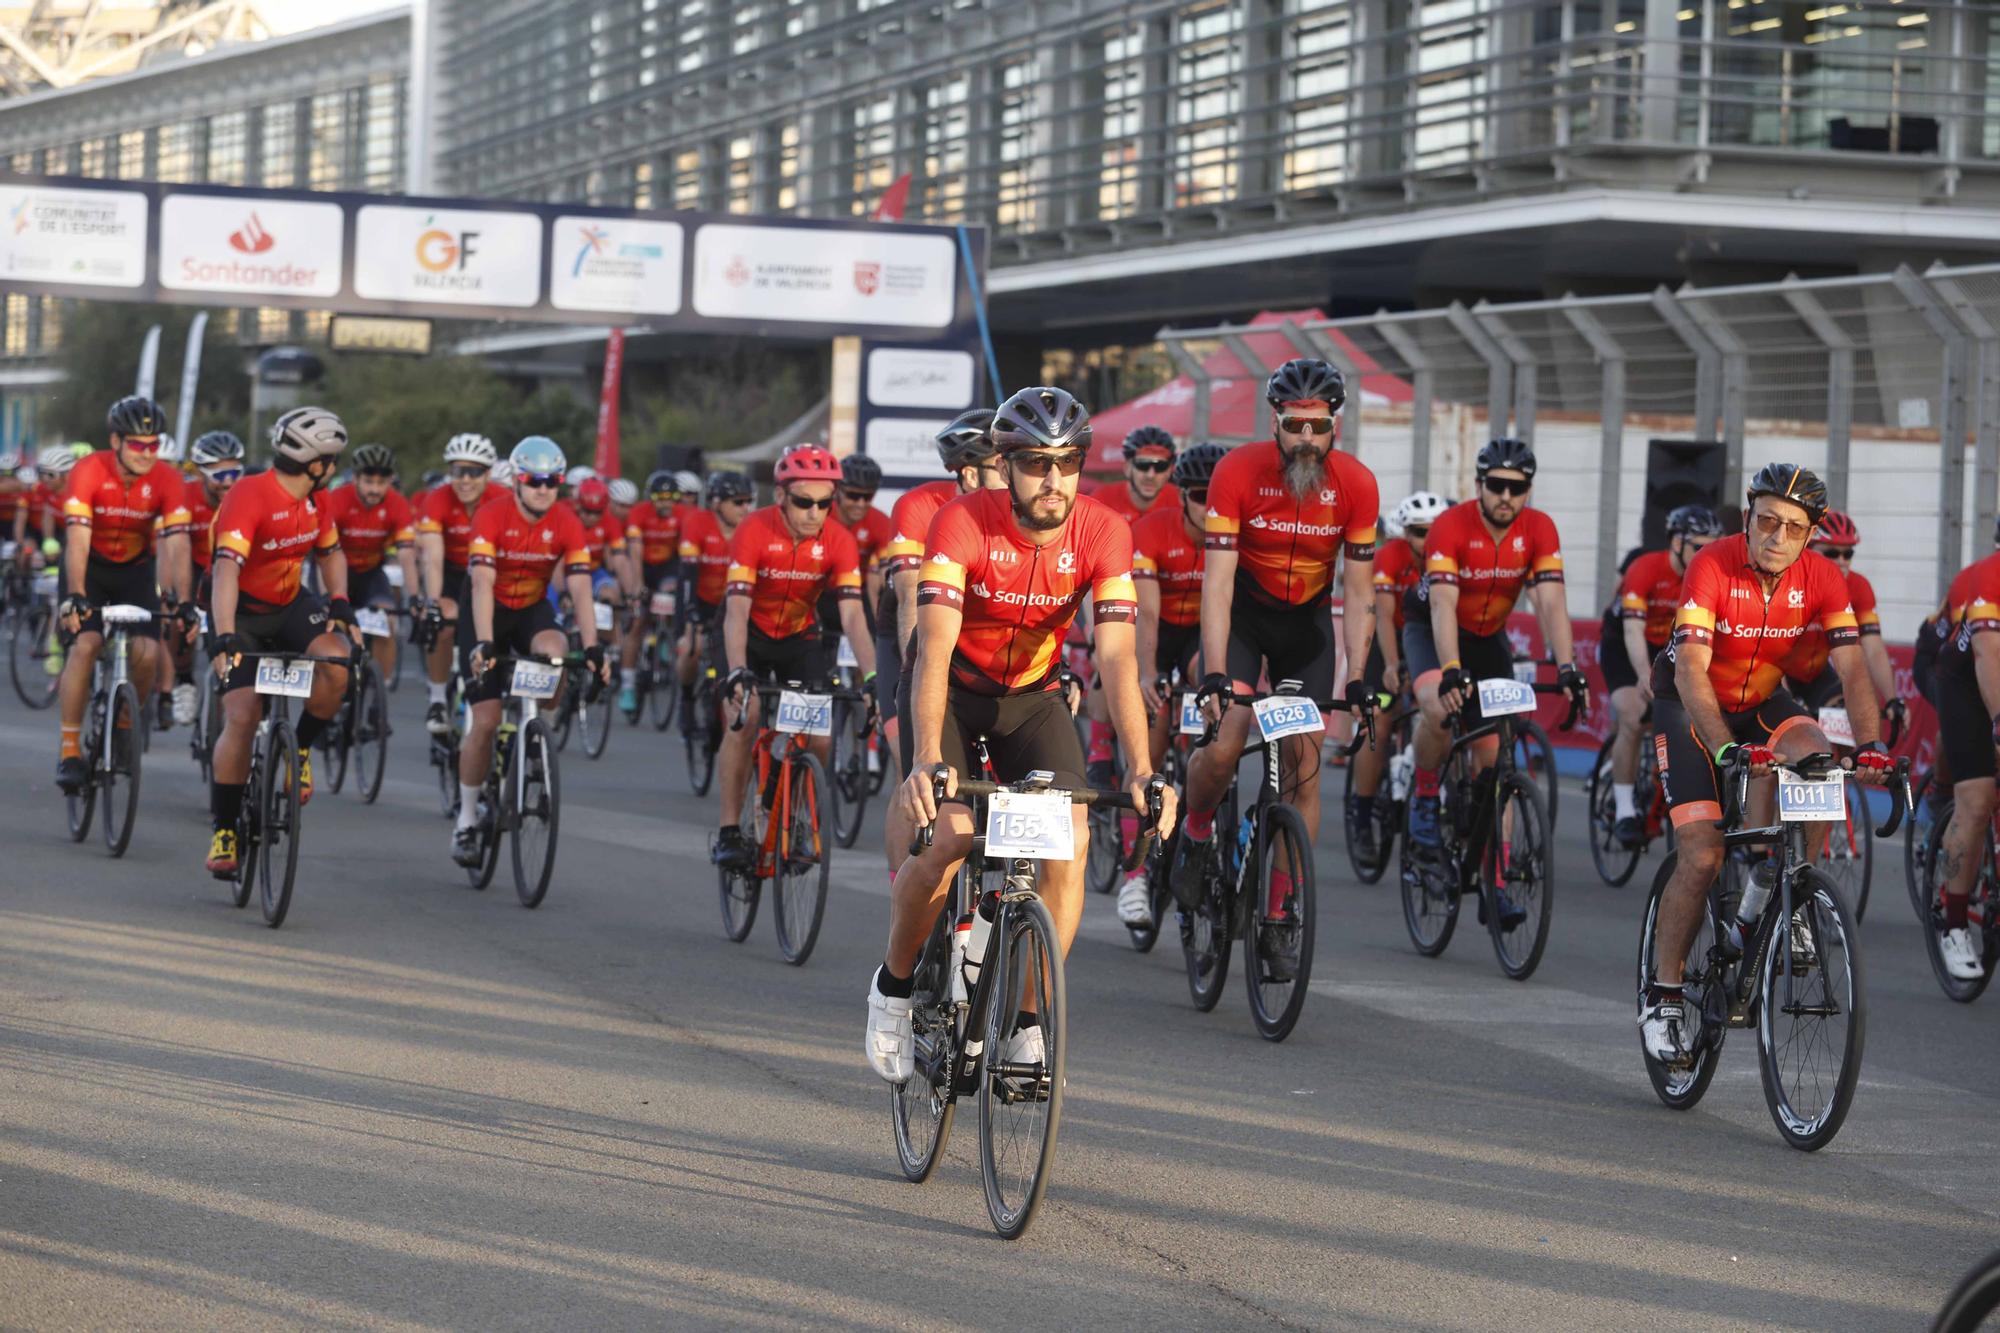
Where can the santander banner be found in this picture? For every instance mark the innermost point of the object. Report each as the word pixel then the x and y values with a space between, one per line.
pixel 263 247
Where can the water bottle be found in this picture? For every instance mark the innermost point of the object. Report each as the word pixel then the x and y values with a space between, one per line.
pixel 959 933
pixel 1402 772
pixel 1756 893
pixel 977 926
pixel 1243 839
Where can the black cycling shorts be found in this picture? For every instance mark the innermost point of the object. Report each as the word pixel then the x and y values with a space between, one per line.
pixel 1482 656
pixel 370 587
pixel 1822 691
pixel 454 588
pixel 1924 659
pixel 1023 732
pixel 888 672
pixel 1965 732
pixel 1292 643
pixel 286 629
pixel 1687 771
pixel 806 658
pixel 1615 662
pixel 1177 647
pixel 663 577
pixel 106 583
pixel 514 634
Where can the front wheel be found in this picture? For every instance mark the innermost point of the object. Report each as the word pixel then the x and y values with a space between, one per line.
pixel 850 775
pixel 535 810
pixel 371 731
pixel 1021 1078
pixel 1706 983
pixel 278 824
pixel 804 863
pixel 118 779
pixel 1206 933
pixel 1924 815
pixel 1976 1296
pixel 593 719
pixel 1812 1018
pixel 666 695
pixel 83 804
pixel 1615 862
pixel 35 657
pixel 1278 951
pixel 1982 918
pixel 1850 852
pixel 1517 876
pixel 1534 756
pixel 1107 850
pixel 742 889
pixel 921 1108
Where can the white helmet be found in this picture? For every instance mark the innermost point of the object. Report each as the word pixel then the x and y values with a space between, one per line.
pixel 502 474
pixel 470 448
pixel 576 476
pixel 54 461
pixel 26 476
pixel 624 492
pixel 689 482
pixel 307 434
pixel 170 448
pixel 1423 509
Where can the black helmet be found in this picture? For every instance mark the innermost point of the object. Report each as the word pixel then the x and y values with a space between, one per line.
pixel 1512 455
pixel 861 473
pixel 968 440
pixel 374 458
pixel 1789 481
pixel 217 446
pixel 1148 437
pixel 1193 468
pixel 1303 379
pixel 1041 418
pixel 661 481
pixel 729 484
pixel 136 415
pixel 1693 521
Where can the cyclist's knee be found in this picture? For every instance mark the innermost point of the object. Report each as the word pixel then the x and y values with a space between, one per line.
pixel 1974 798
pixel 1699 848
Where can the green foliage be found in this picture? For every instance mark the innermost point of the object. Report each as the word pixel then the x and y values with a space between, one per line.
pixel 720 404
pixel 99 357
pixel 415 404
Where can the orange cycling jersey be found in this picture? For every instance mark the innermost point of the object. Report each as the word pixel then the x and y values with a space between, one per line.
pixel 441 513
pixel 1650 591
pixel 1018 598
pixel 600 535
pixel 1808 656
pixel 1117 497
pixel 659 534
pixel 1397 569
pixel 267 532
pixel 783 576
pixel 1163 551
pixel 1286 546
pixel 523 552
pixel 1749 631
pixel 910 524
pixel 1971 607
pixel 368 532
pixel 201 525
pixel 871 533
pixel 705 549
pixel 45 507
pixel 122 516
pixel 1488 572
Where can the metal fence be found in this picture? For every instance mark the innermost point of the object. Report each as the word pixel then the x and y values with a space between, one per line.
pixel 1888 384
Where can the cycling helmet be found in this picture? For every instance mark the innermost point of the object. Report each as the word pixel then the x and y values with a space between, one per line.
pixel 432 478
pixel 1693 521
pixel 217 446
pixel 1789 481
pixel 1041 418
pixel 968 440
pixel 1306 379
pixel 860 472
pixel 1148 437
pixel 579 474
pixel 592 493
pixel 689 482
pixel 662 482
pixel 136 415
pixel 537 456
pixel 307 434
pixel 54 461
pixel 502 473
pixel 1837 529
pixel 1509 454
pixel 170 448
pixel 1421 508
pixel 730 485
pixel 808 462
pixel 374 458
pixel 623 492
pixel 1193 468
pixel 470 448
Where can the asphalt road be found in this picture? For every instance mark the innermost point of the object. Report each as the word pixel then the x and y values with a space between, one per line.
pixel 416 1105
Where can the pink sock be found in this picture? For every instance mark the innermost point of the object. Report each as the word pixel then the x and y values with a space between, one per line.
pixel 1281 889
pixel 1200 825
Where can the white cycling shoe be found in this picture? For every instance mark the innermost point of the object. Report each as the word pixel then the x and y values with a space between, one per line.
pixel 1960 958
pixel 1135 902
pixel 889 1043
pixel 184 704
pixel 1669 1030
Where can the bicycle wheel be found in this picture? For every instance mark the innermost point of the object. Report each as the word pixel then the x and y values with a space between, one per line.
pixel 1207 931
pixel 245 882
pixel 392 679
pixel 1020 1099
pixel 118 776
pixel 1430 899
pixel 741 889
pixel 1158 895
pixel 1615 862
pixel 700 739
pixel 593 719
pixel 1916 838
pixel 336 743
pixel 83 804
pixel 1366 869
pixel 278 824
pixel 1705 982
pixel 849 790
pixel 1278 949
pixel 535 810
pixel 1982 918
pixel 1850 852
pixel 371 731
pixel 880 754
pixel 209 724
pixel 34 659
pixel 1812 1018
pixel 1976 1296
pixel 1518 869
pixel 1106 853
pixel 921 1107
pixel 664 697
pixel 562 722
pixel 491 822
pixel 804 861
pixel 1535 756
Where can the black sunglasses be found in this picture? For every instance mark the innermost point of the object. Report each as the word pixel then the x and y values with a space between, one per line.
pixel 542 481
pixel 1151 464
pixel 1502 486
pixel 1837 552
pixel 1038 464
pixel 860 497
pixel 800 502
pixel 1197 496
pixel 467 471
pixel 1415 532
pixel 1306 425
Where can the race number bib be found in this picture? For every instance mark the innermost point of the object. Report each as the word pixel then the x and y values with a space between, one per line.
pixel 1499 696
pixel 1192 722
pixel 603 614
pixel 1034 825
pixel 45 585
pixel 804 714
pixel 1839 728
pixel 663 603
pixel 1287 715
pixel 276 675
pixel 372 621
pixel 844 655
pixel 1524 670
pixel 1806 801
pixel 534 680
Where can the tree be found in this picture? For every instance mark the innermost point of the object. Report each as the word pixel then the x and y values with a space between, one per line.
pixel 98 353
pixel 415 404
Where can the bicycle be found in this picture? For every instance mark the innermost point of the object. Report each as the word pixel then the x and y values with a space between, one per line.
pixel 521 798
pixel 1976 1296
pixel 1615 861
pixel 962 986
pixel 1388 809
pixel 591 717
pixel 1173 767
pixel 1792 967
pixel 113 735
pixel 35 650
pixel 1931 804
pixel 786 817
pixel 656 685
pixel 701 728
pixel 1982 912
pixel 360 730
pixel 206 729
pixel 1534 754
pixel 857 759
pixel 1495 840
pixel 270 824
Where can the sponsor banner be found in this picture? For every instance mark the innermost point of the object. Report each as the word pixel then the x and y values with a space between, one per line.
pixel 909 377
pixel 446 256
pixel 620 265
pixel 841 278
pixel 905 446
pixel 89 238
pixel 267 247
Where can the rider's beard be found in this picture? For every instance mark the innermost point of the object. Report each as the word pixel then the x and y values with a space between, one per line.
pixel 1305 471
pixel 1034 519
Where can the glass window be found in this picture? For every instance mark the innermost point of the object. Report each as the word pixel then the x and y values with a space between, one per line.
pixel 1122 119
pixel 947 125
pixel 1208 67
pixel 96 158
pixel 742 174
pixel 132 155
pixel 874 150
pixel 1014 208
pixel 1321 74
pixel 687 178
pixel 786 197
pixel 17 325
pixel 226 147
pixel 281 123
pixel 379 140
pixel 176 161
pixel 52 317
pixel 642 185
pixel 327 141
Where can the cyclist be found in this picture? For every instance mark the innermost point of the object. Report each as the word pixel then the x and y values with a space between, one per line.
pixel 1149 457
pixel 374 521
pixel 265 528
pixel 705 541
pixel 623 496
pixel 1279 514
pixel 1718 690
pixel 860 479
pixel 1807 675
pixel 612 578
pixel 1399 569
pixel 1481 554
pixel 518 541
pixel 39 512
pixel 1636 628
pixel 125 536
pixel 431 479
pixel 653 540
pixel 1004 574
pixel 444 540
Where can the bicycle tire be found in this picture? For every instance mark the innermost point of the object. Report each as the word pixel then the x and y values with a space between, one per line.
pixel 392 679
pixel 122 761
pixel 336 743
pixel 1158 896
pixel 1208 929
pixel 1029 956
pixel 1916 839
pixel 742 890
pixel 664 697
pixel 1278 990
pixel 1615 863
pixel 1430 902
pixel 1976 1296
pixel 1830 919
pixel 28 649
pixel 1106 854
pixel 1850 851
pixel 1366 870
pixel 849 790
pixel 1525 869
pixel 594 721
pixel 537 807
pixel 699 740
pixel 1681 1089
pixel 804 864
pixel 490 818
pixel 921 1107
pixel 245 881
pixel 81 805
pixel 279 825
pixel 211 722
pixel 562 722
pixel 885 754
pixel 1535 756
pixel 371 727
pixel 1962 990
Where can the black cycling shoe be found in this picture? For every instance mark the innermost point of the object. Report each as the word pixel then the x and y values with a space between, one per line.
pixel 1278 947
pixel 163 712
pixel 465 848
pixel 1365 847
pixel 437 721
pixel 1190 864
pixel 1512 913
pixel 733 850
pixel 1629 832
pixel 71 774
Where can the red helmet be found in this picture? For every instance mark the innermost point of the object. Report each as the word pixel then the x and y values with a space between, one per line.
pixel 1837 529
pixel 593 494
pixel 808 462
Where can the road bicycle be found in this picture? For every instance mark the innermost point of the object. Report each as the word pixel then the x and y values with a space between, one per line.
pixel 1614 860
pixel 575 711
pixel 359 732
pixel 860 753
pixel 443 749
pixel 1982 909
pixel 1494 839
pixel 1793 971
pixel 656 684
pixel 1534 754
pixel 1398 737
pixel 701 727
pixel 993 958
pixel 1931 805
pixel 787 817
pixel 35 647
pixel 1173 767
pixel 521 797
pixel 1850 847
pixel 114 731
pixel 270 825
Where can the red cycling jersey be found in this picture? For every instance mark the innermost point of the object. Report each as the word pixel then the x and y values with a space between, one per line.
pixel 1017 598
pixel 910 524
pixel 201 527
pixel 368 532
pixel 441 513
pixel 268 532
pixel 783 576
pixel 1163 551
pixel 1808 656
pixel 1490 573
pixel 705 548
pixel 1650 591
pixel 1286 546
pixel 1117 497
pixel 1397 569
pixel 45 508
pixel 1971 607
pixel 600 534
pixel 123 517
pixel 1749 631
pixel 871 533
pixel 523 552
pixel 659 534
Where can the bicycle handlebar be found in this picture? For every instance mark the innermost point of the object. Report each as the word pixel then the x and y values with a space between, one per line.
pixel 765 692
pixel 1817 766
pixel 1120 800
pixel 1569 719
pixel 1365 735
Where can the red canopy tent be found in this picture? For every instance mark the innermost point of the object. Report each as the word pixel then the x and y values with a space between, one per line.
pixel 1236 396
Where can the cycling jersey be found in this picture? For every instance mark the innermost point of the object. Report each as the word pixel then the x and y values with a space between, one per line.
pixel 1018 599
pixel 268 533
pixel 910 524
pixel 1398 567
pixel 1650 591
pixel 1163 551
pixel 871 533
pixel 368 532
pixel 783 576
pixel 123 517
pixel 1488 572
pixel 1117 497
pixel 523 552
pixel 600 536
pixel 705 548
pixel 1808 656
pixel 1286 546
pixel 45 507
pixel 659 534
pixel 1724 605
pixel 201 528
pixel 442 513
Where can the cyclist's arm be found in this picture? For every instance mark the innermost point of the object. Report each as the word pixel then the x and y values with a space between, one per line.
pixel 736 630
pixel 1881 670
pixel 21 523
pixel 635 552
pixel 1385 615
pixel 176 559
pixel 406 560
pixel 1697 694
pixel 1864 709
pixel 333 572
pixel 1218 599
pixel 1634 630
pixel 1357 620
pixel 1148 649
pixel 1552 610
pixel 1444 621
pixel 76 556
pixel 1118 667
pixel 430 552
pixel 1986 668
pixel 854 624
pixel 871 583
pixel 904 581
pixel 937 631
pixel 479 584
pixel 224 576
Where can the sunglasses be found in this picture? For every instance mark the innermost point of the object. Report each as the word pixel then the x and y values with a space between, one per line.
pixel 1837 552
pixel 734 500
pixel 1306 425
pixel 145 444
pixel 466 471
pixel 658 497
pixel 1198 496
pixel 1415 533
pixel 222 474
pixel 803 505
pixel 1038 465
pixel 1151 464
pixel 541 481
pixel 859 497
pixel 1502 486
pixel 1771 525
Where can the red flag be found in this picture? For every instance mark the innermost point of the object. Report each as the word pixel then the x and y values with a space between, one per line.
pixel 607 405
pixel 894 200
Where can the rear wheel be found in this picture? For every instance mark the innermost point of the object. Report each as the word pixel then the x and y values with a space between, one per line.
pixel 278 824
pixel 1812 1018
pixel 371 731
pixel 921 1108
pixel 83 804
pixel 1278 952
pixel 741 889
pixel 1206 932
pixel 1534 756
pixel 849 791
pixel 1107 849
pixel 118 779
pixel 1020 1090
pixel 1705 981
pixel 336 744
pixel 34 658
pixel 1517 875
pixel 1850 852
pixel 593 719
pixel 700 737
pixel 1916 842
pixel 803 861
pixel 535 809
pixel 1381 826
pixel 492 826
pixel 1430 899
pixel 1982 919
pixel 666 694
pixel 1615 862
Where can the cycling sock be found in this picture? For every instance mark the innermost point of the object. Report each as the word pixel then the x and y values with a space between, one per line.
pixel 1024 1021
pixel 1425 782
pixel 1364 807
pixel 310 728
pixel 628 677
pixel 893 986
pixel 436 689
pixel 1621 797
pixel 468 806
pixel 72 742
pixel 1661 990
pixel 1955 905
pixel 1100 750
pixel 1281 889
pixel 1199 825
pixel 225 803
